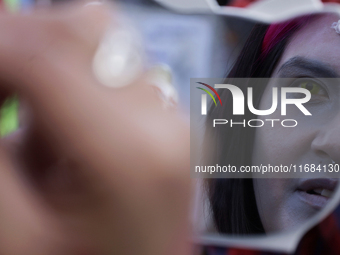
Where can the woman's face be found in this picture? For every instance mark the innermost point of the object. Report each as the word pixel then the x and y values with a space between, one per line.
pixel 313 52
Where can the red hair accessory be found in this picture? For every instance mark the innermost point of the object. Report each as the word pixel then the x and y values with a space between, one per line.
pixel 277 32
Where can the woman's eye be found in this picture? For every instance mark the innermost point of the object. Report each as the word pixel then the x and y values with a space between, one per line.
pixel 317 90
pixel 313 87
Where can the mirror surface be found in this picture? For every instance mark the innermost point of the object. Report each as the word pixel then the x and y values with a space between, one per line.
pixel 285 175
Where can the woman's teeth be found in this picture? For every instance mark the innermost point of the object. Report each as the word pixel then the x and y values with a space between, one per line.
pixel 323 192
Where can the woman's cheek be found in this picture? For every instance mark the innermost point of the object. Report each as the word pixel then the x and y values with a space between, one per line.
pixel 275 203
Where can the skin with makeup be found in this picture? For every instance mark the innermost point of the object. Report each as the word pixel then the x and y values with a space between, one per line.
pixel 310 54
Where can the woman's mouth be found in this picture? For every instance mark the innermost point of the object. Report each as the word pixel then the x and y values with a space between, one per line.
pixel 316 192
pixel 322 192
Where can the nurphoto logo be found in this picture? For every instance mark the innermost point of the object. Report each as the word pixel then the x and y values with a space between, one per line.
pixel 238 100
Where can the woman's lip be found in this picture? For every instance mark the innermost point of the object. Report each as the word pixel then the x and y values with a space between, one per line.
pixel 316 192
pixel 315 201
pixel 312 184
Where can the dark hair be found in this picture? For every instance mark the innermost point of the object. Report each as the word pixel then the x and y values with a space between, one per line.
pixel 232 200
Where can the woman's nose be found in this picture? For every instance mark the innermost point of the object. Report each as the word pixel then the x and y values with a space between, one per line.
pixel 326 143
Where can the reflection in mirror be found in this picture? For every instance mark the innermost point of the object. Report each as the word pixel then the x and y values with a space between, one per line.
pixel 245 3
pixel 302 53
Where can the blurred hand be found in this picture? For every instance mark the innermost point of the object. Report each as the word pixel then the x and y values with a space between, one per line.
pixel 92 170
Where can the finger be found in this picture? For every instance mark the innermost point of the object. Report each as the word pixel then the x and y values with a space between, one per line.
pixel 71 31
pixel 24 225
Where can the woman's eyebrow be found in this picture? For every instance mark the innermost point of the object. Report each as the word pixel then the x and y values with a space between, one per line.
pixel 296 65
